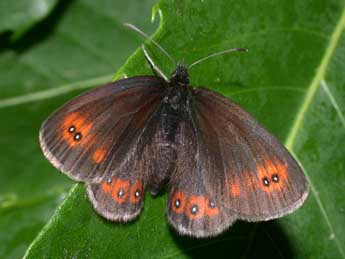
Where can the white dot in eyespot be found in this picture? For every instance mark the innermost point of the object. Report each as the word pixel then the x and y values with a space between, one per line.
pixel 77 136
pixel 109 180
pixel 275 178
pixel 194 209
pixel 266 181
pixel 120 193
pixel 137 194
pixel 212 204
pixel 71 129
pixel 177 203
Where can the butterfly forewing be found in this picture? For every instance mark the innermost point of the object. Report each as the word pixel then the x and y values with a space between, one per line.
pixel 81 138
pixel 260 178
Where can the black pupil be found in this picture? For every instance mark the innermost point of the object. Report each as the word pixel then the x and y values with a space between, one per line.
pixel 177 203
pixel 266 182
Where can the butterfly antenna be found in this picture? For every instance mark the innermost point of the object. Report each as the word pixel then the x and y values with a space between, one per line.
pixel 217 54
pixel 134 28
pixel 153 65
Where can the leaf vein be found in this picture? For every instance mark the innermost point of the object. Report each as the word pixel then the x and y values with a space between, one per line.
pixel 333 102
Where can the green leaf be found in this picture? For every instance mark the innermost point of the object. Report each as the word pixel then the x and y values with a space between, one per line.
pixel 18 16
pixel 291 80
pixel 79 45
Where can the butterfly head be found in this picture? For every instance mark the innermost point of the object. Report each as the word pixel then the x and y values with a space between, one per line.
pixel 180 76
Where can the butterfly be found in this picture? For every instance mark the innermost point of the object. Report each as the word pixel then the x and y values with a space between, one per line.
pixel 142 133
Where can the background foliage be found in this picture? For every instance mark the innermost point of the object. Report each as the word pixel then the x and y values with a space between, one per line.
pixel 292 81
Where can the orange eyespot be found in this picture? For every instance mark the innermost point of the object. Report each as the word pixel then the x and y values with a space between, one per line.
pixel 272 175
pixel 136 192
pixel 178 202
pixel 120 191
pixel 196 207
pixel 211 208
pixel 107 186
pixel 75 128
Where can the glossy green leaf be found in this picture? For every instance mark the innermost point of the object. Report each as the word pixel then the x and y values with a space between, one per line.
pixel 291 80
pixel 18 16
pixel 79 45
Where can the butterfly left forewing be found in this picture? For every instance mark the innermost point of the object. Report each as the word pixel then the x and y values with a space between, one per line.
pixel 80 138
pixel 261 179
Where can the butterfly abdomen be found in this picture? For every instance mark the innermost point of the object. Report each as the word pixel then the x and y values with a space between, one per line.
pixel 164 139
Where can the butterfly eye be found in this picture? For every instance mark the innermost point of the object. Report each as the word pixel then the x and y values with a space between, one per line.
pixel 265 181
pixel 275 178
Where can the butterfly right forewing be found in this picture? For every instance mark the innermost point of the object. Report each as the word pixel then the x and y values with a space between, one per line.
pixel 260 179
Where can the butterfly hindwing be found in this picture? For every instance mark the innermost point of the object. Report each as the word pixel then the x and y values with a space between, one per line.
pixel 117 199
pixel 191 208
pixel 259 179
pixel 82 138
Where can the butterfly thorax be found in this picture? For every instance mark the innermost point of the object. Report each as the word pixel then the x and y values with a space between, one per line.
pixel 180 76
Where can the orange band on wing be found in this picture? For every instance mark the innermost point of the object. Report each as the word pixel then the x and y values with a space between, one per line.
pixel 99 155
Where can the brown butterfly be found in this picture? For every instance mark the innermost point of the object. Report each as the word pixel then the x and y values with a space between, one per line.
pixel 147 133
